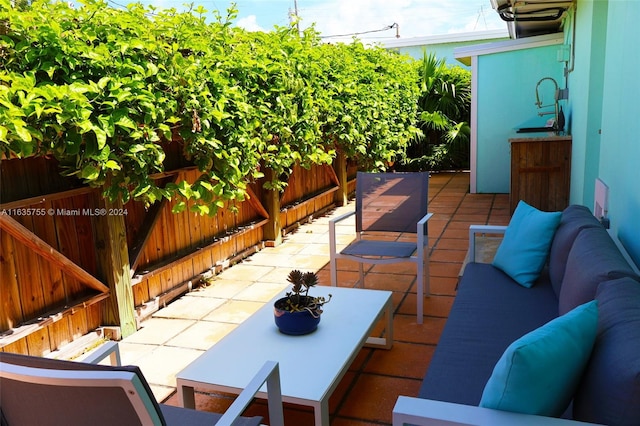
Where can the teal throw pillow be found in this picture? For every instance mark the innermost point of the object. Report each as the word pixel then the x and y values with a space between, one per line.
pixel 526 243
pixel 539 373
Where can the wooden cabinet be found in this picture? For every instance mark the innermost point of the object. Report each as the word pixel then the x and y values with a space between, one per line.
pixel 540 172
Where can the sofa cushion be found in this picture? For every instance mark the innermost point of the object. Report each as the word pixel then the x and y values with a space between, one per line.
pixel 583 273
pixel 610 390
pixel 574 219
pixel 524 249
pixel 489 312
pixel 539 373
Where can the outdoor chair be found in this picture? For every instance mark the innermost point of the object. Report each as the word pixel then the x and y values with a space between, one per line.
pixel 391 226
pixel 44 391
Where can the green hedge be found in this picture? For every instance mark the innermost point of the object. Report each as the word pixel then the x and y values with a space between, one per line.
pixel 100 88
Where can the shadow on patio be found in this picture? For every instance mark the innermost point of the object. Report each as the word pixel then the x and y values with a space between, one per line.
pixel 179 333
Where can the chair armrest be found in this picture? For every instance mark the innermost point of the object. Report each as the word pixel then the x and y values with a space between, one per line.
pixel 481 229
pixel 422 223
pixel 109 349
pixel 332 229
pixel 269 374
pixel 341 217
pixel 427 412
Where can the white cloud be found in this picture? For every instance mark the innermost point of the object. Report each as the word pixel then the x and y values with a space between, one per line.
pixel 250 23
pixel 414 17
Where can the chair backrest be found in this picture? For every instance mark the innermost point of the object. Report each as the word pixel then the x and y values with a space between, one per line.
pixel 391 202
pixel 42 391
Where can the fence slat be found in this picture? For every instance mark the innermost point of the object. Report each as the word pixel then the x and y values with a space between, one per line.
pixel 43 249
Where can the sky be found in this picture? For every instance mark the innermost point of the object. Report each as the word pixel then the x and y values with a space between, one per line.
pixel 370 20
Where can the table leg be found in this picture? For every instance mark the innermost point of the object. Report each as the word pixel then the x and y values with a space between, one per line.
pixel 186 396
pixel 387 341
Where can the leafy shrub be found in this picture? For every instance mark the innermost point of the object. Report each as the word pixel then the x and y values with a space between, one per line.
pixel 444 113
pixel 103 91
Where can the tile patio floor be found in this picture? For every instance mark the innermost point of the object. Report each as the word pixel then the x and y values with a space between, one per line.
pixel 177 334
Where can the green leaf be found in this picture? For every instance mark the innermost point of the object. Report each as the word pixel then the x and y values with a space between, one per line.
pixel 135 148
pixel 22 132
pixel 90 172
pixel 179 207
pixel 112 165
pixel 121 118
pixel 73 141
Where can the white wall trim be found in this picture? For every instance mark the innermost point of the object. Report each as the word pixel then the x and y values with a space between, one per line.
pixel 473 143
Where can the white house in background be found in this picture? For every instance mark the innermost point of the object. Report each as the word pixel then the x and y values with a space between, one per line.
pixel 444 45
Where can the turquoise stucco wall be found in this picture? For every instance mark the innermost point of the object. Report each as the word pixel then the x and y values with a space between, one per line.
pixel 585 83
pixel 604 111
pixel 506 84
pixel 619 165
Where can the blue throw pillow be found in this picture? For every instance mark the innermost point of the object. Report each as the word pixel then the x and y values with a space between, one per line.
pixel 526 243
pixel 539 373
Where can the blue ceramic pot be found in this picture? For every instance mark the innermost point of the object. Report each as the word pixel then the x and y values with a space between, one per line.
pixel 295 323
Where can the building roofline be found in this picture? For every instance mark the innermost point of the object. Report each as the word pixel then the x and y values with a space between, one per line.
pixel 464 53
pixel 445 38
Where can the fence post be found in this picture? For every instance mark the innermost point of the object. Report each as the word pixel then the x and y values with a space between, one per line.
pixel 272 230
pixel 340 167
pixel 113 265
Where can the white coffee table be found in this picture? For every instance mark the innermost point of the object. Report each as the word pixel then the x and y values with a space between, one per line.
pixel 311 366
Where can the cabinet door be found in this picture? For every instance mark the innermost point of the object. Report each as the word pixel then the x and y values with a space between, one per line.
pixel 540 174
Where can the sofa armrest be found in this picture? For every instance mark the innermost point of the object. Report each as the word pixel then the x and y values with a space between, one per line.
pixel 427 412
pixel 481 229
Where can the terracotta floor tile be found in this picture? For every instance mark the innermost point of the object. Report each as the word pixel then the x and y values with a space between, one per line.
pixel 389 281
pixel 443 269
pixel 363 355
pixel 448 255
pixel 475 218
pixel 405 329
pixel 405 268
pixel 444 285
pixel 462 234
pixel 373 397
pixel 436 306
pixel 402 360
pixel 461 225
pixel 453 244
pixel 341 391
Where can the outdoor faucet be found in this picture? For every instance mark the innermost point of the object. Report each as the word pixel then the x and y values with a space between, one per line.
pixel 558 124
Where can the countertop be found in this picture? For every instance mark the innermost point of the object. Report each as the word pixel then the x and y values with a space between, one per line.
pixel 541 139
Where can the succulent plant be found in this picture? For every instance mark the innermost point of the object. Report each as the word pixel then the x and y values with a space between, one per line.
pixel 298 297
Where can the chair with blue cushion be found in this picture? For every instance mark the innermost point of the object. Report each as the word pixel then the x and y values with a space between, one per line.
pixel 391 226
pixel 43 391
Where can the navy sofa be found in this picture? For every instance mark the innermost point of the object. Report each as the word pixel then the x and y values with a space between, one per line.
pixel 491 311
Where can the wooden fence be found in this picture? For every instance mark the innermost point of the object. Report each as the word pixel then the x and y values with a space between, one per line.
pixel 71 262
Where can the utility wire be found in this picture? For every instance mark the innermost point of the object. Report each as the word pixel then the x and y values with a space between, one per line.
pixel 387 28
pixel 117 4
